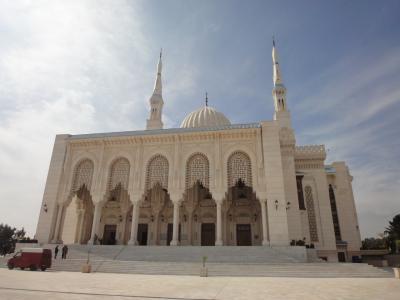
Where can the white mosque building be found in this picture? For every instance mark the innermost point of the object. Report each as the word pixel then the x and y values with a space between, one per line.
pixel 207 183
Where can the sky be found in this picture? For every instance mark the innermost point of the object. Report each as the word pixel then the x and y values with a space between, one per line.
pixel 84 66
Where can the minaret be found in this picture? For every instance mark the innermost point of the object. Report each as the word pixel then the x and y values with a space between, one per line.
pixel 279 92
pixel 156 101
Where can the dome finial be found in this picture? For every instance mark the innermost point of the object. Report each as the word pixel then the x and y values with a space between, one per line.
pixel 206 99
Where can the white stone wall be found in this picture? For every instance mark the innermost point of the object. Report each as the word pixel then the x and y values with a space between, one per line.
pixel 273 185
pixel 70 224
pixel 46 223
pixel 345 203
pixel 288 141
pixel 274 164
pixel 316 179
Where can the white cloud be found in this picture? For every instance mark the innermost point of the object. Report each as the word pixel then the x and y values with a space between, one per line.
pixel 343 83
pixel 88 66
pixel 65 67
pixel 355 109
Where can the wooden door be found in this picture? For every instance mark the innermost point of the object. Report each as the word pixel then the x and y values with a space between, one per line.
pixel 243 234
pixel 142 234
pixel 169 233
pixel 208 234
pixel 341 257
pixel 110 232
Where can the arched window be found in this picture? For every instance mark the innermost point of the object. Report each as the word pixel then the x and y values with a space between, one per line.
pixel 239 167
pixel 197 169
pixel 119 174
pixel 312 222
pixel 83 174
pixel 157 172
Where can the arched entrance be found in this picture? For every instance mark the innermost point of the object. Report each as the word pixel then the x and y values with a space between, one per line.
pixel 149 225
pixel 155 216
pixel 200 209
pixel 114 221
pixel 78 215
pixel 243 216
pixel 198 206
pixel 242 209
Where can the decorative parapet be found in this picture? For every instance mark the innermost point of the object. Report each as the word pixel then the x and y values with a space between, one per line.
pixel 311 151
pixel 236 131
pixel 310 156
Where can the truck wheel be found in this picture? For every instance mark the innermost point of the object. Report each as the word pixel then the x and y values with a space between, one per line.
pixel 43 268
pixel 10 266
pixel 32 268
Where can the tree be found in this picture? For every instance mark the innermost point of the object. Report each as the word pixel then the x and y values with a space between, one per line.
pixel 374 244
pixel 9 236
pixel 20 234
pixel 393 233
pixel 7 242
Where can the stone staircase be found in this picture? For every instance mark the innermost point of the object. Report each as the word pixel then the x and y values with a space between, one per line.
pixel 313 270
pixel 225 254
pixel 221 261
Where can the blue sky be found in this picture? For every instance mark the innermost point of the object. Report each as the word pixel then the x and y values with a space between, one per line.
pixel 89 66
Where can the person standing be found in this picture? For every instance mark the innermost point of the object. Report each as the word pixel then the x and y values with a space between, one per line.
pixel 55 252
pixel 66 252
pixel 63 252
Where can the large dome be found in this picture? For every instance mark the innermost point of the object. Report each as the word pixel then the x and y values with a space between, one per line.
pixel 205 117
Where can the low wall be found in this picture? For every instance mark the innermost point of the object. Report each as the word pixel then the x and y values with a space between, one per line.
pixel 393 260
pixel 377 262
pixel 18 246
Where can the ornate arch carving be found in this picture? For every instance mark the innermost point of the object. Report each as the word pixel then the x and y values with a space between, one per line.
pixel 239 168
pixel 83 174
pixel 312 222
pixel 119 174
pixel 197 169
pixel 157 172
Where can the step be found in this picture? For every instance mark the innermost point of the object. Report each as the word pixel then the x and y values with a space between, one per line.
pixel 327 270
pixel 253 254
pixel 221 261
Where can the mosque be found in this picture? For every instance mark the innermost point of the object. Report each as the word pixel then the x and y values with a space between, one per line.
pixel 207 183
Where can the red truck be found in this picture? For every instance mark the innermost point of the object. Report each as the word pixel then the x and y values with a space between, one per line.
pixel 32 258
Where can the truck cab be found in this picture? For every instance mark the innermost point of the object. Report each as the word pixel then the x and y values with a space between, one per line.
pixel 32 258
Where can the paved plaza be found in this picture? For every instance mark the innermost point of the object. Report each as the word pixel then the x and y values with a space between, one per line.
pixel 18 284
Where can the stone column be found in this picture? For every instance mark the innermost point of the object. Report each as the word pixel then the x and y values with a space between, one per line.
pixel 56 238
pixel 175 232
pixel 265 241
pixel 96 221
pixel 122 225
pixel 78 236
pixel 135 221
pixel 155 227
pixel 218 240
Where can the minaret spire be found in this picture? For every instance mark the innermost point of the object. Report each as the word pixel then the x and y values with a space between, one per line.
pixel 276 69
pixel 279 91
pixel 158 84
pixel 156 101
